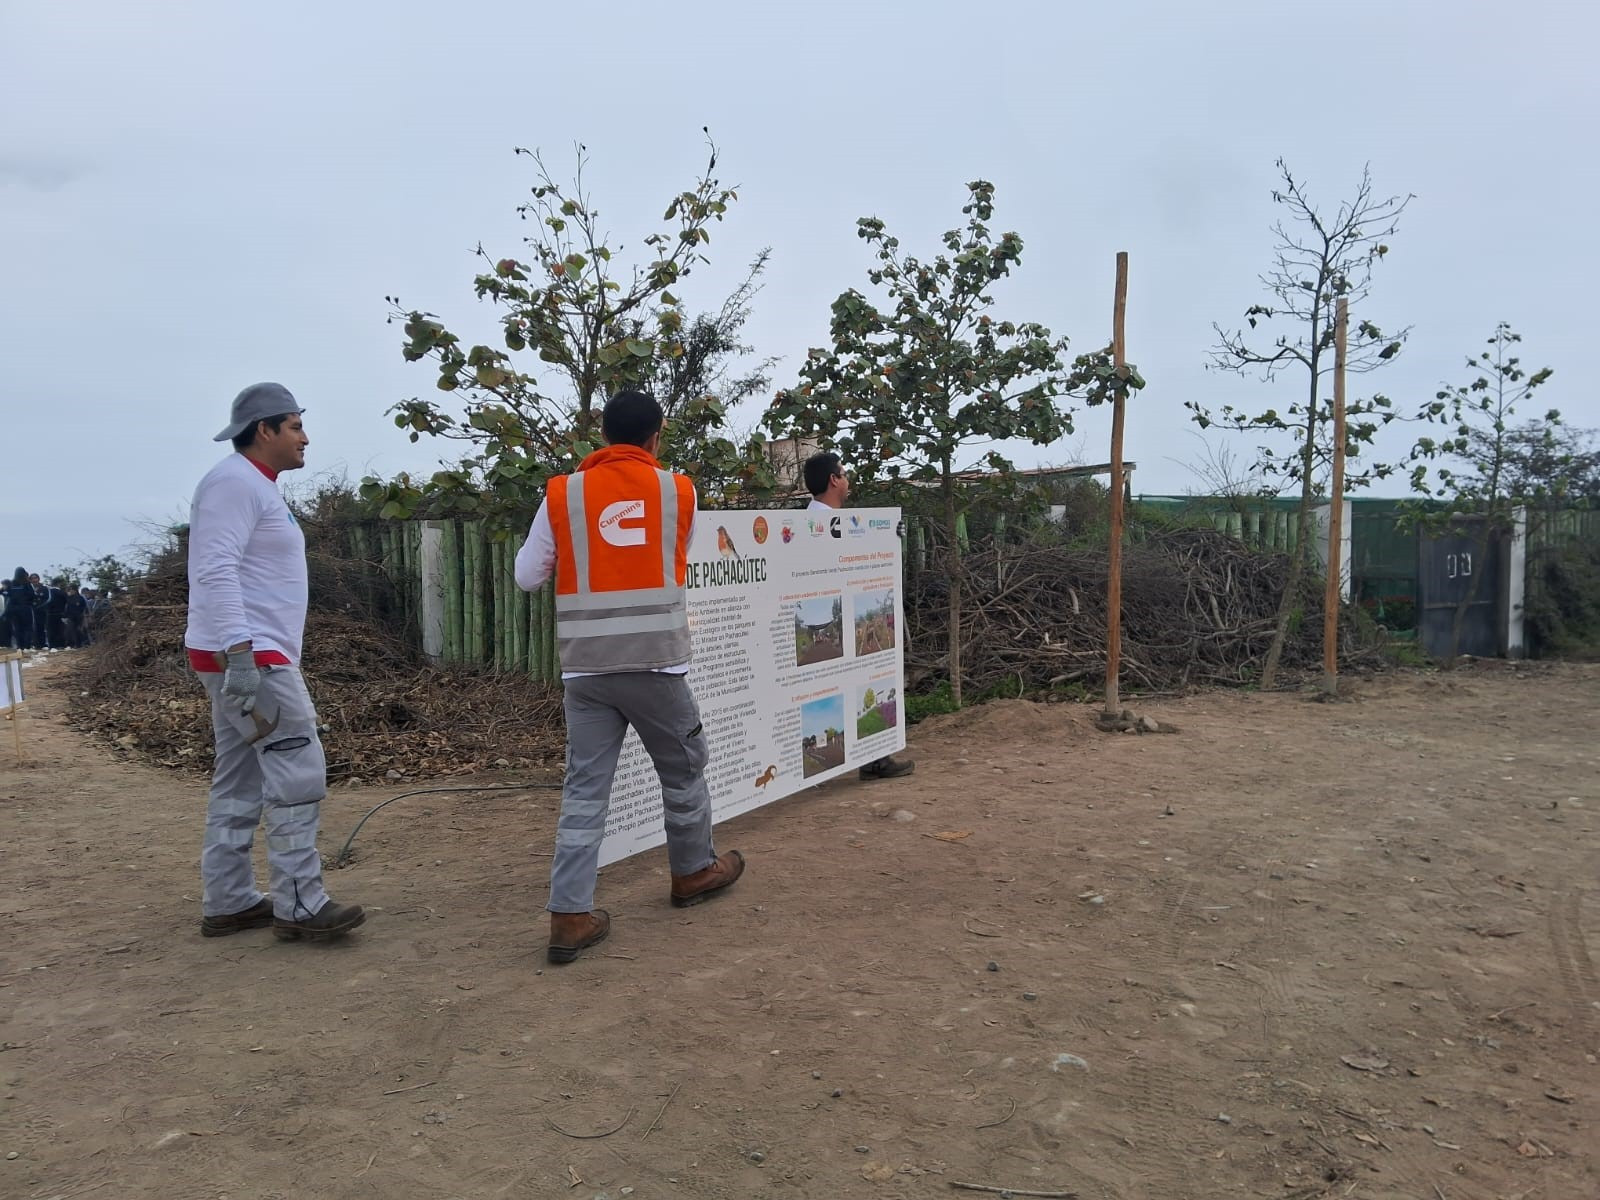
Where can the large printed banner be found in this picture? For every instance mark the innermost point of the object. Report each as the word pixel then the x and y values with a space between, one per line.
pixel 798 664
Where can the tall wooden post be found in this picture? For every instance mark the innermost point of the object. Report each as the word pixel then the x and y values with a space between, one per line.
pixel 1334 591
pixel 1114 577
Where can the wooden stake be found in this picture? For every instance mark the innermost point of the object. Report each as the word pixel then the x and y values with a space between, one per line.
pixel 1332 594
pixel 1114 580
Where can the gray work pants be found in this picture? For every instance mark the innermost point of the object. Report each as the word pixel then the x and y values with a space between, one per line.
pixel 599 709
pixel 270 770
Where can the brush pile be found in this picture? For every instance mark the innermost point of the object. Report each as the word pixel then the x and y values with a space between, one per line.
pixel 1198 608
pixel 388 713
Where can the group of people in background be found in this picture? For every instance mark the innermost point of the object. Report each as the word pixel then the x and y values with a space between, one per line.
pixel 58 615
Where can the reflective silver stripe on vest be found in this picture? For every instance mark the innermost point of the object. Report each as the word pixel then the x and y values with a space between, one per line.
pixel 579 528
pixel 636 630
pixel 669 526
pixel 591 627
pixel 608 600
pixel 587 616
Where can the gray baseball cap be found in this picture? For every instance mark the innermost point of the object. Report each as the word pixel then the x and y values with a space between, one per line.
pixel 256 403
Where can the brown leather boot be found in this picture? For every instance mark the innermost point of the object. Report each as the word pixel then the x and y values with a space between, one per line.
pixel 572 932
pixel 708 881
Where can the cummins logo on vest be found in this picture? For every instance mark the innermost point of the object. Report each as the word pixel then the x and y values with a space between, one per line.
pixel 612 528
pixel 722 571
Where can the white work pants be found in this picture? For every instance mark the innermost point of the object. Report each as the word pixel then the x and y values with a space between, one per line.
pixel 270 770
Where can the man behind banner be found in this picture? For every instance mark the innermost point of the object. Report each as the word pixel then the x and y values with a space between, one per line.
pixel 616 534
pixel 829 486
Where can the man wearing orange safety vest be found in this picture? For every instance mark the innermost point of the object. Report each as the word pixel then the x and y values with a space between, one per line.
pixel 615 534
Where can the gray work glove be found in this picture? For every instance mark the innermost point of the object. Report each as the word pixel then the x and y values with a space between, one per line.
pixel 242 680
pixel 900 528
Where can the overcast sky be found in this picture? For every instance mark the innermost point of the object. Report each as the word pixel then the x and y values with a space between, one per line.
pixel 196 196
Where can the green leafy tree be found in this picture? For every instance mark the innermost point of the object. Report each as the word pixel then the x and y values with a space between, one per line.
pixel 108 575
pixel 921 386
pixel 1546 464
pixel 1479 470
pixel 698 389
pixel 1319 258
pixel 576 325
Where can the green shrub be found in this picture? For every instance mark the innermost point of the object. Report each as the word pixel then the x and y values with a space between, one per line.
pixel 1562 611
pixel 929 704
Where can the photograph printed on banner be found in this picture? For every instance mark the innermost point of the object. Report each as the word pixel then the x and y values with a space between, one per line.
pixel 877 708
pixel 822 735
pixel 818 629
pixel 874 612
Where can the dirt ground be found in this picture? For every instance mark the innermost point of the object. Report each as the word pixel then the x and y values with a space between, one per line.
pixel 1296 950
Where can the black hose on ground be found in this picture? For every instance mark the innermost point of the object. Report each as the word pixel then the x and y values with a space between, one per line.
pixel 343 856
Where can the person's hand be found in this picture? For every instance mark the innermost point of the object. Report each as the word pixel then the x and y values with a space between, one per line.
pixel 900 528
pixel 242 680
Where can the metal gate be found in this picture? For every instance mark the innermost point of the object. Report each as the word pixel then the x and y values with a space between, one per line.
pixel 1450 567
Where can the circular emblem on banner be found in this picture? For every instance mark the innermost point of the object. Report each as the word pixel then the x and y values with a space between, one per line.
pixel 760 530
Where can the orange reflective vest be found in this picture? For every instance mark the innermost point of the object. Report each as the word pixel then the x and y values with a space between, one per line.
pixel 621 527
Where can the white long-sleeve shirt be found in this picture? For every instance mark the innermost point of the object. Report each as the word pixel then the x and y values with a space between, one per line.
pixel 247 564
pixel 536 562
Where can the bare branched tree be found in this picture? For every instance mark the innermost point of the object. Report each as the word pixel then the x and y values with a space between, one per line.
pixel 1318 260
pixel 1223 473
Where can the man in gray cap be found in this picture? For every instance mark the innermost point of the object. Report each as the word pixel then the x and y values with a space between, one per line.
pixel 247 615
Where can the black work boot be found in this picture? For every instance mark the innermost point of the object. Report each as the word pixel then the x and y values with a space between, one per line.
pixel 332 920
pixel 887 767
pixel 256 916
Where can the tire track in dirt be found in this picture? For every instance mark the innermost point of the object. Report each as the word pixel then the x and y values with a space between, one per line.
pixel 1266 950
pixel 1165 1168
pixel 80 1183
pixel 1394 1154
pixel 1254 968
pixel 1574 964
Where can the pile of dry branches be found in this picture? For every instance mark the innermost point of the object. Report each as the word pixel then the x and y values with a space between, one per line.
pixel 388 714
pixel 1198 607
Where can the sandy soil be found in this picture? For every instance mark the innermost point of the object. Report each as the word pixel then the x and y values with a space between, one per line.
pixel 1297 950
